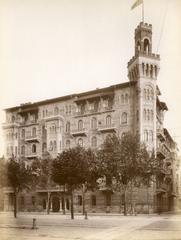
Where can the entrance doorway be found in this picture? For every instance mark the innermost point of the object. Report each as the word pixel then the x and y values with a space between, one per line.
pixel 55 204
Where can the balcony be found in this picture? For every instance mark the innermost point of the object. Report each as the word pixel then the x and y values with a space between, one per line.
pixel 32 138
pixel 31 155
pixel 10 125
pixel 160 135
pixel 160 152
pixel 107 128
pixel 79 132
pixel 51 189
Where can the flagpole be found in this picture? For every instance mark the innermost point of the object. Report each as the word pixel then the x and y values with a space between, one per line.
pixel 143 12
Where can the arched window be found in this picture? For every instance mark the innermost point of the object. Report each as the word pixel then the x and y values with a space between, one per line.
pixel 146 46
pixel 148 94
pixel 148 115
pixel 68 127
pixel 94 142
pixel 122 98
pixel 68 144
pixel 23 150
pixel 80 125
pixel 54 145
pixel 151 71
pixel 34 132
pixel 138 46
pixel 51 146
pixel 126 98
pixel 34 148
pixel 147 69
pixel 124 118
pixel 80 142
pixel 56 111
pixel 146 135
pixel 151 136
pixel 44 147
pixel 137 115
pixel 144 114
pixel 23 133
pixel 93 123
pixel 143 68
pixel 79 200
pixel 156 71
pixel 108 120
pixel 151 113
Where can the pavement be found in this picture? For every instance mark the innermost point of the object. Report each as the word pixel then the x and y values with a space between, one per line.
pixel 96 227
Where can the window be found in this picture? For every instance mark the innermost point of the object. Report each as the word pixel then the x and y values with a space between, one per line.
pixel 94 142
pixel 23 150
pixel 34 132
pixel 51 146
pixel 56 111
pixel 151 135
pixel 122 98
pixel 146 135
pixel 68 127
pixel 124 118
pixel 93 123
pixel 146 46
pixel 54 145
pixel 108 120
pixel 93 200
pixel 80 142
pixel 126 98
pixel 80 125
pixel 152 116
pixel 16 151
pixel 68 144
pixel 23 133
pixel 148 115
pixel 34 148
pixel 79 200
pixel 44 147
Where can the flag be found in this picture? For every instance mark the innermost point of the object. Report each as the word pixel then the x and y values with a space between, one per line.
pixel 137 3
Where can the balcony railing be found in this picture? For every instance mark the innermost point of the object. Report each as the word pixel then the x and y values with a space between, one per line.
pixel 51 189
pixel 107 128
pixel 160 135
pixel 32 138
pixel 31 155
pixel 79 132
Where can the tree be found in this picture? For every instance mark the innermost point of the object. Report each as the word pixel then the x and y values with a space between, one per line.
pixel 18 177
pixel 42 172
pixel 122 163
pixel 72 168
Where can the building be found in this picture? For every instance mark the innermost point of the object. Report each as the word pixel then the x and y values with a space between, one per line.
pixel 86 118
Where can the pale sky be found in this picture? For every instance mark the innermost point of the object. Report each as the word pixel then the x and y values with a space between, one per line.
pixel 50 48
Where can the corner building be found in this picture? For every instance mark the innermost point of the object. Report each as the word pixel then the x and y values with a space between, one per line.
pixel 53 125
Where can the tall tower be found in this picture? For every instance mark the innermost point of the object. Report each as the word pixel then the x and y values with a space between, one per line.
pixel 143 69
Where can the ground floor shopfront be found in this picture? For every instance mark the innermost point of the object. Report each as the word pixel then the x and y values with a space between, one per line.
pixel 137 201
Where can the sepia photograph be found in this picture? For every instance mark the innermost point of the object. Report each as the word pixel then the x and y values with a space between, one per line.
pixel 90 119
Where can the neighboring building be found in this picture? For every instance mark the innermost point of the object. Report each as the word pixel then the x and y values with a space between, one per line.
pixel 87 118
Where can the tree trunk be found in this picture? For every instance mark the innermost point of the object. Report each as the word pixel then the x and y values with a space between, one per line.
pixel 63 201
pixel 125 207
pixel 48 202
pixel 83 199
pixel 72 205
pixel 15 204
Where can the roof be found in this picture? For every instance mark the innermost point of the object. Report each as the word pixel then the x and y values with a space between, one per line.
pixel 35 105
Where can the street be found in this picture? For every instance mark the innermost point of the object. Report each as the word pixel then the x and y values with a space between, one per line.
pixel 96 227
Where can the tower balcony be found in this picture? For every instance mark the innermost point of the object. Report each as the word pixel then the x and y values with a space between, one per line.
pixel 161 153
pixel 107 128
pixel 79 132
pixel 160 135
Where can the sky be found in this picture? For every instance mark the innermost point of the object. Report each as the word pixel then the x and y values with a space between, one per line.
pixel 50 48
